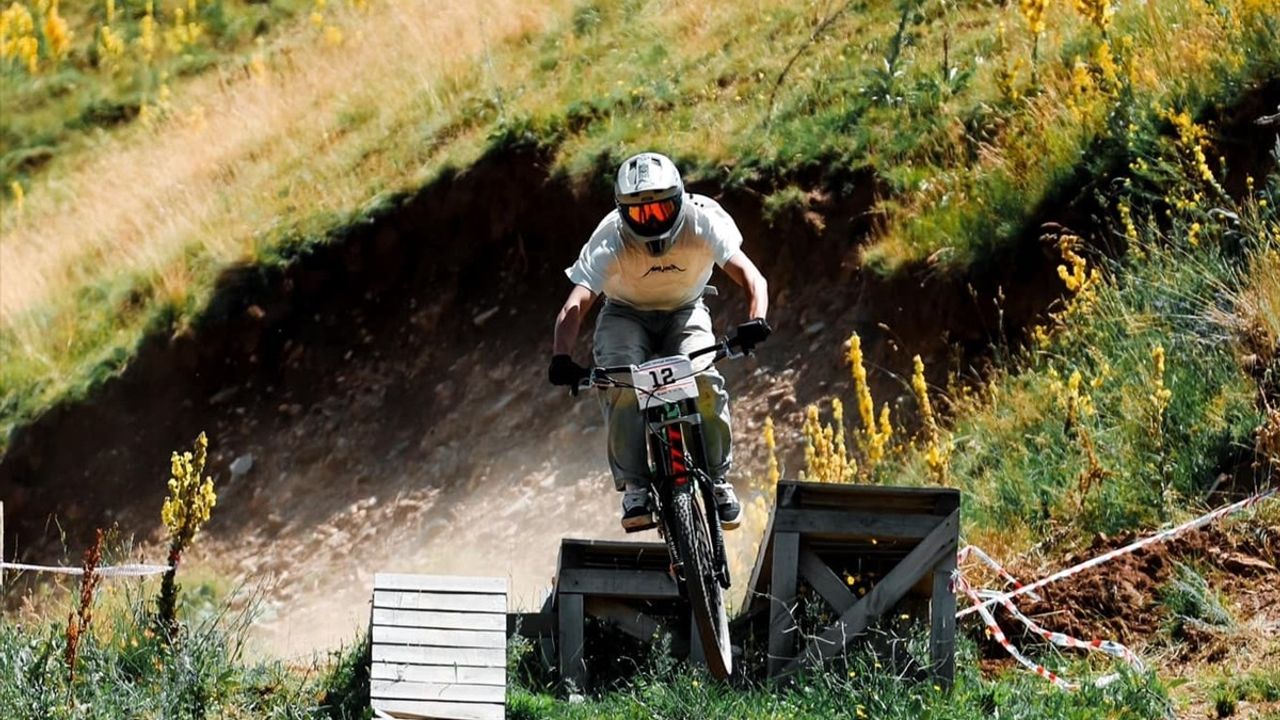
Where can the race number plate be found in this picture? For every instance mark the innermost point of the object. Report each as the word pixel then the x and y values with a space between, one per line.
pixel 664 380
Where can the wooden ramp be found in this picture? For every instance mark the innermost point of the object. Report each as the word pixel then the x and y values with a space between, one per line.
pixel 439 647
pixel 832 536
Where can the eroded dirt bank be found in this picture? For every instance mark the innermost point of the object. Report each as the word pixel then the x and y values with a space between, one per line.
pixel 390 389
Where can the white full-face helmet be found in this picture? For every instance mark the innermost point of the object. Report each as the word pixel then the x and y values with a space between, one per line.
pixel 650 198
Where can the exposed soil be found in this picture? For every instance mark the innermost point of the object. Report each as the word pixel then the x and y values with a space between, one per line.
pixel 1121 598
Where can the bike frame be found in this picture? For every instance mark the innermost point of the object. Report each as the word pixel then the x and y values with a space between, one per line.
pixel 680 460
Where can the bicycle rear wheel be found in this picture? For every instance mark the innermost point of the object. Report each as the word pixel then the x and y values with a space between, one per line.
pixel 706 597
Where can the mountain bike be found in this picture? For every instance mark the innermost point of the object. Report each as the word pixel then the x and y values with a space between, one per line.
pixel 680 491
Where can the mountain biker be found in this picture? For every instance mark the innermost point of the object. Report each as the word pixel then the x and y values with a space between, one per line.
pixel 651 257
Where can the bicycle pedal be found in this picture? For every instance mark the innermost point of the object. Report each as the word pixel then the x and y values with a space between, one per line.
pixel 639 523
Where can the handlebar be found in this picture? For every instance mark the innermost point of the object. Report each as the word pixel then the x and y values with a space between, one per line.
pixel 600 376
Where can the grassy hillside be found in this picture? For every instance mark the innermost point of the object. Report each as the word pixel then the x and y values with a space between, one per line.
pixel 969 116
pixel 1151 392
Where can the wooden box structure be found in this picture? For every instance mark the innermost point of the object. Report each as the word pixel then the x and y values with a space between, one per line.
pixel 905 537
pixel 626 583
pixel 439 646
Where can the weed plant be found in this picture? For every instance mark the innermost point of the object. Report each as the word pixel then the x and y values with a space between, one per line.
pixel 857 689
pixel 126 670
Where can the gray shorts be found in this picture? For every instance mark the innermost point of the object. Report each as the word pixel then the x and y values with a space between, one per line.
pixel 627 336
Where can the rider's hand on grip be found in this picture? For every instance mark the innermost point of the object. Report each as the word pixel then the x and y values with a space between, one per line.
pixel 752 333
pixel 564 371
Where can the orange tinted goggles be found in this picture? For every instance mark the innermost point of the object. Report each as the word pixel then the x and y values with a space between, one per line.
pixel 651 213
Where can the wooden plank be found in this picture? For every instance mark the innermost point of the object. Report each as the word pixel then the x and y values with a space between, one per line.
pixel 440 620
pixel 438 673
pixel 847 523
pixel 920 561
pixel 825 581
pixel 387 635
pixel 870 498
pixel 576 552
pixel 423 655
pixel 531 625
pixel 452 692
pixel 782 594
pixel 436 709
pixel 439 601
pixel 572 669
pixel 635 584
pixel 628 619
pixel 942 625
pixel 439 583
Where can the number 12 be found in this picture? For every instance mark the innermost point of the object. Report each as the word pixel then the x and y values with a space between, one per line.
pixel 668 374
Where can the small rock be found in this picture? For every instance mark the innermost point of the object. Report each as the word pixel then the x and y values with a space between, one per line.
pixel 815 328
pixel 481 318
pixel 242 465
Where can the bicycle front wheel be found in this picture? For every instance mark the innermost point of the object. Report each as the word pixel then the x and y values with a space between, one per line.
pixel 706 597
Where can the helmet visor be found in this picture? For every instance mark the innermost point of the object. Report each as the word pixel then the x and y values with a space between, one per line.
pixel 652 218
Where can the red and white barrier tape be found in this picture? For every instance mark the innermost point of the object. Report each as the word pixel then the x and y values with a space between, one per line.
pixel 134 570
pixel 968 550
pixel 1109 647
pixel 993 628
pixel 1112 554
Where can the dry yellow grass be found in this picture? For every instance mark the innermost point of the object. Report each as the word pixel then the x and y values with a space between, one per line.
pixel 195 178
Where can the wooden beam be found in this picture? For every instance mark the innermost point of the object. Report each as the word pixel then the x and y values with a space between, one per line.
pixel 782 595
pixel 942 627
pixel 847 523
pixel 632 584
pixel 572 619
pixel 421 655
pixel 925 557
pixel 825 581
pixel 390 635
pixel 449 692
pixel 434 709
pixel 531 625
pixel 457 602
pixel 628 619
pixel 439 583
pixel 440 620
pixel 439 673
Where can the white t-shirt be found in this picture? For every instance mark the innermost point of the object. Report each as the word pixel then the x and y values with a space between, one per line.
pixel 628 274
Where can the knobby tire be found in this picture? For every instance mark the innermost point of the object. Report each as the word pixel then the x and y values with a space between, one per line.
pixel 706 597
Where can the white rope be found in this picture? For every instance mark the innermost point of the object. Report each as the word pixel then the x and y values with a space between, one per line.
pixel 133 570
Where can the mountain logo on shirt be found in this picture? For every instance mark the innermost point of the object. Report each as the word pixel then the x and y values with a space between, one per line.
pixel 663 269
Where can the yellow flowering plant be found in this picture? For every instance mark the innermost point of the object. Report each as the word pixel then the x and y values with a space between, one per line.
pixel 187 508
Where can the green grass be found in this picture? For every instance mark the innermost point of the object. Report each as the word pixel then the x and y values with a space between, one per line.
pixel 125 671
pixel 856 688
pixel 1081 431
pixel 70 99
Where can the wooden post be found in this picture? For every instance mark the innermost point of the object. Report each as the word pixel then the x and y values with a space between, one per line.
pixel 942 628
pixel 573 669
pixel 782 589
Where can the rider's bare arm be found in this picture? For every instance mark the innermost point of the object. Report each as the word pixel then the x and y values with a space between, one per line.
pixel 569 321
pixel 745 273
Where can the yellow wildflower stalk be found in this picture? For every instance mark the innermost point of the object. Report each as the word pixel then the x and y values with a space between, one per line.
pixel 187 508
pixel 772 472
pixel 56 34
pixel 937 456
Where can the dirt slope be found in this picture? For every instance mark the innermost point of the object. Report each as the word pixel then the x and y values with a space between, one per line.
pixel 390 389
